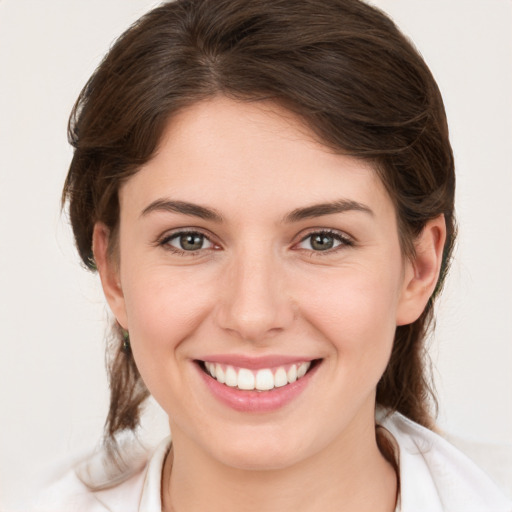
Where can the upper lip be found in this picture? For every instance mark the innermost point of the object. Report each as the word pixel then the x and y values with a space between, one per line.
pixel 255 363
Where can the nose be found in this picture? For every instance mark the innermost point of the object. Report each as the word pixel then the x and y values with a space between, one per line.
pixel 254 303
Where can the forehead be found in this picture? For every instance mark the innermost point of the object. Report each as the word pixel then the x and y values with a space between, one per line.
pixel 247 155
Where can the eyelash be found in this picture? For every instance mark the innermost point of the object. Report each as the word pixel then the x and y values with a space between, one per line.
pixel 165 242
pixel 344 241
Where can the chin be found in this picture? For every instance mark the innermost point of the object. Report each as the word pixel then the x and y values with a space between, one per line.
pixel 260 452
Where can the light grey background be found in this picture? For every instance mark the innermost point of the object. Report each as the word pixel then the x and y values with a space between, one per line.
pixel 53 390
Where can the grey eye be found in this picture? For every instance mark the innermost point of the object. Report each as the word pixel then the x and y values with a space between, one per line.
pixel 190 241
pixel 322 241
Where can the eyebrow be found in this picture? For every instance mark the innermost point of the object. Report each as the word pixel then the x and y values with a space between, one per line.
pixel 308 212
pixel 318 210
pixel 183 207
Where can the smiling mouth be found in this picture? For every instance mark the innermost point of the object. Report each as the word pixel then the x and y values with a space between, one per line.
pixel 264 379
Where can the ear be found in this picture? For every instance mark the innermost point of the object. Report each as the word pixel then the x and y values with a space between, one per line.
pixel 422 271
pixel 108 268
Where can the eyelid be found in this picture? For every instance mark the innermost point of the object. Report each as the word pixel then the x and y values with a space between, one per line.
pixel 178 236
pixel 163 240
pixel 344 239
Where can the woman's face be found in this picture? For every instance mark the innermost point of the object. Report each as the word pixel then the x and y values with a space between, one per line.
pixel 250 251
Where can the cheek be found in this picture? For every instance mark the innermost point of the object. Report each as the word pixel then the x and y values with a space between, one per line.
pixel 163 306
pixel 163 312
pixel 355 310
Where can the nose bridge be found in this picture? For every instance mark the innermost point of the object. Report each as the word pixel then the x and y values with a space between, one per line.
pixel 255 303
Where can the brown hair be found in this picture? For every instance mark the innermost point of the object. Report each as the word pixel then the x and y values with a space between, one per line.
pixel 341 65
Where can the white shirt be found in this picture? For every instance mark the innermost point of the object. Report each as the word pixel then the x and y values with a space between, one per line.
pixel 434 477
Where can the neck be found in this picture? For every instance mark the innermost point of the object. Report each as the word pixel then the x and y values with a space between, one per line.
pixel 346 476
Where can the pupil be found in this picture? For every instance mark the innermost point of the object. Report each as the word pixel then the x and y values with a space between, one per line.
pixel 322 242
pixel 191 241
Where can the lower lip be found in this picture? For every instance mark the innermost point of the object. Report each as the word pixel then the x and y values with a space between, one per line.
pixel 256 401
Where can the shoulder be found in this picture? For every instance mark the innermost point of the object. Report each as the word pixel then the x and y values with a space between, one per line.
pixel 434 475
pixel 97 485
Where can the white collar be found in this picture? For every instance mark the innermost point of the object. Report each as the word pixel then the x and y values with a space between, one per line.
pixel 435 476
pixel 151 499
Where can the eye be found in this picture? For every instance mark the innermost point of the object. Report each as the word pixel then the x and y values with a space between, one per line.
pixel 324 241
pixel 188 241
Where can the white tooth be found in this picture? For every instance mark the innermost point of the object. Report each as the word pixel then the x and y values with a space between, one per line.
pixel 264 380
pixel 231 379
pixel 219 374
pixel 245 379
pixel 292 373
pixel 302 369
pixel 211 368
pixel 280 378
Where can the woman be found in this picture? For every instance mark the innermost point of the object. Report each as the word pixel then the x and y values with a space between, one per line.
pixel 266 189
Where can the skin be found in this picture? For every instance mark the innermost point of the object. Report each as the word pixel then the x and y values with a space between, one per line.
pixel 259 287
